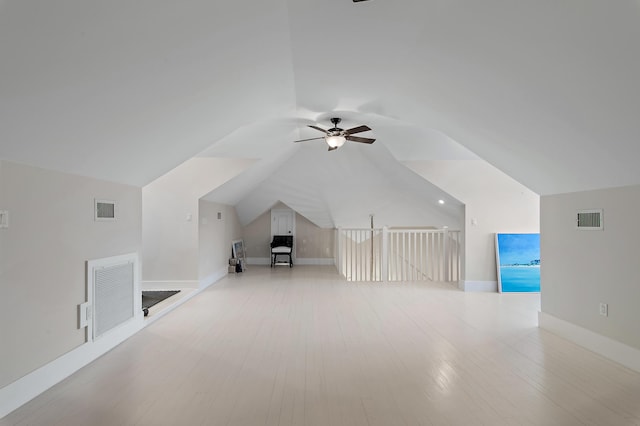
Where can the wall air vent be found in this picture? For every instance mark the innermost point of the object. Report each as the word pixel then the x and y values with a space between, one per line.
pixel 113 294
pixel 113 297
pixel 589 220
pixel 105 210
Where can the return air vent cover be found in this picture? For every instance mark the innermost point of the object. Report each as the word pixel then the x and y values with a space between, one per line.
pixel 113 294
pixel 589 220
pixel 105 210
pixel 113 297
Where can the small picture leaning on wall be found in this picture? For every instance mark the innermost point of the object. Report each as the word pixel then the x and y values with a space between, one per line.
pixel 518 262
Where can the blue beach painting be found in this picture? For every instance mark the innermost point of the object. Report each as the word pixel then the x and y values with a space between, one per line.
pixel 518 260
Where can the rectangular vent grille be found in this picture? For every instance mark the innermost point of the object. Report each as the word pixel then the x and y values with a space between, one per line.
pixel 589 220
pixel 105 210
pixel 113 297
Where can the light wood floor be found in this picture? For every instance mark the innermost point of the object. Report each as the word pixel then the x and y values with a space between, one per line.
pixel 299 346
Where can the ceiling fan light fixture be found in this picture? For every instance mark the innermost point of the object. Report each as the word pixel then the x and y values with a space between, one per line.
pixel 336 137
pixel 335 141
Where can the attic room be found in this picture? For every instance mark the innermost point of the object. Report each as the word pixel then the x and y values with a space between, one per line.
pixel 487 117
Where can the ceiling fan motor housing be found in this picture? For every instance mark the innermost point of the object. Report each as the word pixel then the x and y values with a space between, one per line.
pixel 336 131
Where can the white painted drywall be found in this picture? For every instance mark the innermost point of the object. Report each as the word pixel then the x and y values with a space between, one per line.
pixel 126 95
pixel 581 269
pixel 170 216
pixel 311 241
pixel 494 202
pixel 257 236
pixel 43 253
pixel 215 236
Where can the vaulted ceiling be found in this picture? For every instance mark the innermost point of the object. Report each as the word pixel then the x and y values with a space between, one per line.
pixel 125 91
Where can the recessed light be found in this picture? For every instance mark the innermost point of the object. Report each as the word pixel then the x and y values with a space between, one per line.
pixel 440 201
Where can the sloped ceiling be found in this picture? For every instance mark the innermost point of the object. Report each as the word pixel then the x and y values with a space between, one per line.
pixel 546 91
pixel 342 190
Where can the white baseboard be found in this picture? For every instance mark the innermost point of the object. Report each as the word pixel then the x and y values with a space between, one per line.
pixel 296 261
pixel 186 298
pixel 602 345
pixel 315 261
pixel 213 278
pixel 482 286
pixel 169 284
pixel 33 384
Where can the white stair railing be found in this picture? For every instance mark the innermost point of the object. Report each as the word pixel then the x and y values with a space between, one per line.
pixel 359 254
pixel 398 254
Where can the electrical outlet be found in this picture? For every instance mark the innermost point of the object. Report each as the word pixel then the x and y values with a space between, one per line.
pixel 604 309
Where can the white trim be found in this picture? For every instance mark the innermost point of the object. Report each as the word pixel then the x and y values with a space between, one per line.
pixel 298 261
pixel 23 390
pixel 33 384
pixel 213 278
pixel 602 345
pixel 479 286
pixel 315 261
pixel 179 302
pixel 170 285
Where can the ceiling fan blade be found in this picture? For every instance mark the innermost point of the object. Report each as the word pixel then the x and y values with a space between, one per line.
pixel 317 128
pixel 311 139
pixel 359 139
pixel 358 129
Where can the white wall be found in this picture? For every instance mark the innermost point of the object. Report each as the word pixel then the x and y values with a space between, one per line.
pixel 494 202
pixel 311 241
pixel 581 269
pixel 215 236
pixel 52 234
pixel 257 236
pixel 169 238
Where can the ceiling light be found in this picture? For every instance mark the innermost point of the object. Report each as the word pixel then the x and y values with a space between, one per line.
pixel 335 141
pixel 440 201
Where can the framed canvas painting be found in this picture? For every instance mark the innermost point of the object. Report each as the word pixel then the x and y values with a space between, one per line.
pixel 518 261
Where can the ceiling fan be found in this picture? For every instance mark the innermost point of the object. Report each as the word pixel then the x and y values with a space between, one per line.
pixel 336 137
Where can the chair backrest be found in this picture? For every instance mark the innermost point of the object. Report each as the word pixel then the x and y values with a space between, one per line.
pixel 282 241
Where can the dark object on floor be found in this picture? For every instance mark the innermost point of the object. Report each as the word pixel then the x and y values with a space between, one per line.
pixel 281 245
pixel 150 298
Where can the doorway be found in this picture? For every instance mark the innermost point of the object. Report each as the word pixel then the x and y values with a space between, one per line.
pixel 283 222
